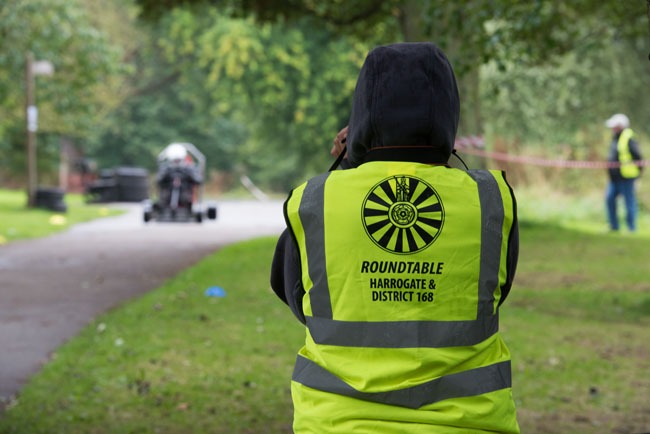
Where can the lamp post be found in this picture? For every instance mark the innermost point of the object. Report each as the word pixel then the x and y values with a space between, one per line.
pixel 32 69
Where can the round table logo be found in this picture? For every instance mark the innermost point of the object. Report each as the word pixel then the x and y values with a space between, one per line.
pixel 403 214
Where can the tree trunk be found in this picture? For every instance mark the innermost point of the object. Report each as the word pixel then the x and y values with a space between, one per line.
pixel 410 12
pixel 470 103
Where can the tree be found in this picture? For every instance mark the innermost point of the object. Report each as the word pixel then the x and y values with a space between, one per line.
pixel 472 32
pixel 163 107
pixel 288 84
pixel 499 49
pixel 58 31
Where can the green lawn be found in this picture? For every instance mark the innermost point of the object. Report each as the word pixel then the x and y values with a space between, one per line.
pixel 178 361
pixel 577 325
pixel 19 222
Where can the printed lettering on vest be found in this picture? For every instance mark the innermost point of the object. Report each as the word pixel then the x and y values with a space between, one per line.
pixel 403 214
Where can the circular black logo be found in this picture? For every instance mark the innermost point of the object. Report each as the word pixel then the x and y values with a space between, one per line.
pixel 403 214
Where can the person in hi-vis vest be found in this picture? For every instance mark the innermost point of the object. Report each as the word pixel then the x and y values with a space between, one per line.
pixel 624 151
pixel 398 266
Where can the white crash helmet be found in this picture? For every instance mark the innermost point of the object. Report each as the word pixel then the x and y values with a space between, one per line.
pixel 174 153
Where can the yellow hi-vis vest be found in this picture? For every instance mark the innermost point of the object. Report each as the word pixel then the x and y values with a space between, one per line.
pixel 628 168
pixel 402 264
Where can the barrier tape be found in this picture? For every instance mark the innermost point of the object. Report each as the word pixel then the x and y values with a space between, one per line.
pixel 474 145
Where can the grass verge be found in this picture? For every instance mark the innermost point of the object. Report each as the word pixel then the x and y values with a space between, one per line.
pixel 19 222
pixel 178 361
pixel 577 325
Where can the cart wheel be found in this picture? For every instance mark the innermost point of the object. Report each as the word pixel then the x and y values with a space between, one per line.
pixel 198 217
pixel 212 213
pixel 147 216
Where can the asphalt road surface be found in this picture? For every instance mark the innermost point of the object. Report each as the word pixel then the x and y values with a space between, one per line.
pixel 51 288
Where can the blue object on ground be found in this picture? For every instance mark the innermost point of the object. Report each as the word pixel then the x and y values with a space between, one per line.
pixel 215 291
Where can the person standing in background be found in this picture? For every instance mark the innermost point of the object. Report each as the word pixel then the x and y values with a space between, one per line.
pixel 623 150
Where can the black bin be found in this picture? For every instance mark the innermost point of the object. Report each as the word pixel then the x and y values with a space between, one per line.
pixel 132 184
pixel 50 198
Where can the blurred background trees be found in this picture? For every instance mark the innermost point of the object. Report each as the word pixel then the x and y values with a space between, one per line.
pixel 262 86
pixel 73 101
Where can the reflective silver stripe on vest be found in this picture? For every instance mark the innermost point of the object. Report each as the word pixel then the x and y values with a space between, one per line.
pixel 312 218
pixel 403 334
pixel 492 216
pixel 462 384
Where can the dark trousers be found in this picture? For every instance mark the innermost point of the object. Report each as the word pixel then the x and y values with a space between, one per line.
pixel 625 188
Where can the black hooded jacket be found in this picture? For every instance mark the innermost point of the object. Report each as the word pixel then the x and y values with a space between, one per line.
pixel 405 108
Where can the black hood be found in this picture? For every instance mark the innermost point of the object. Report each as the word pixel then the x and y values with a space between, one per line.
pixel 405 107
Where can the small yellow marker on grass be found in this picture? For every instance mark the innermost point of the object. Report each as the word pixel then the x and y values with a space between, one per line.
pixel 57 220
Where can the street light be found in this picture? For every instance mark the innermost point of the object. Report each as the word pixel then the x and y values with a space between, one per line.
pixel 32 69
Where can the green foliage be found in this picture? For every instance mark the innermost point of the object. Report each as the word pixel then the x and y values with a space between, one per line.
pixel 473 32
pixel 57 31
pixel 261 99
pixel 60 32
pixel 143 126
pixel 564 103
pixel 160 106
pixel 263 86
pixel 290 91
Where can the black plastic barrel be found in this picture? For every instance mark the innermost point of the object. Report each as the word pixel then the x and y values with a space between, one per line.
pixel 50 198
pixel 132 184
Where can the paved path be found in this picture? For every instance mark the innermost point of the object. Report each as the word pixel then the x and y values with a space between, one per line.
pixel 51 288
